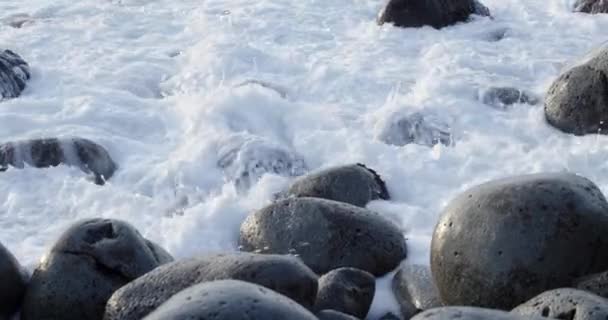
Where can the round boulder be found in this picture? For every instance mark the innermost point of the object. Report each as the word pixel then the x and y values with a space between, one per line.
pixel 90 261
pixel 505 241
pixel 470 313
pixel 502 97
pixel 591 6
pixel 595 283
pixel 229 300
pixel 334 315
pixel 347 290
pixel 14 73
pixel 565 303
pixel 286 275
pixel 12 283
pixel 355 184
pixel 434 13
pixel 90 157
pixel 415 290
pixel 326 234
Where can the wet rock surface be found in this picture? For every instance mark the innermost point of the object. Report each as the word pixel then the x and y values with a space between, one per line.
pixel 415 290
pixel 569 304
pixel 14 73
pixel 346 290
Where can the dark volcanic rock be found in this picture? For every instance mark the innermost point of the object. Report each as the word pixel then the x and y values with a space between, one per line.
pixel 595 283
pixel 334 315
pixel 591 6
pixel 569 304
pixel 89 262
pixel 502 242
pixel 229 300
pixel 284 274
pixel 501 97
pixel 416 128
pixel 12 282
pixel 14 72
pixel 90 157
pixel 347 290
pixel 415 290
pixel 326 235
pixel 355 184
pixel 434 13
pixel 470 313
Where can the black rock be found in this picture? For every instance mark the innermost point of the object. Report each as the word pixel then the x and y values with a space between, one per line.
pixel 326 234
pixel 505 241
pixel 415 290
pixel 347 290
pixel 434 13
pixel 286 275
pixel 12 284
pixel 355 184
pixel 416 128
pixel 229 300
pixel 14 72
pixel 390 316
pixel 334 315
pixel 567 304
pixel 245 161
pixel 501 97
pixel 595 283
pixel 591 6
pixel 90 261
pixel 90 157
pixel 470 313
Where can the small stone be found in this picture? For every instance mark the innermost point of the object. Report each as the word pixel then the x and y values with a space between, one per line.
pixel 14 73
pixel 415 290
pixel 347 290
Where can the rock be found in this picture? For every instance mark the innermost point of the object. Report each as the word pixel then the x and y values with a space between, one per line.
pixel 567 304
pixel 245 161
pixel 347 290
pixel 44 153
pixel 470 313
pixel 595 283
pixel 355 184
pixel 415 290
pixel 229 300
pixel 416 128
pixel 591 6
pixel 326 234
pixel 434 13
pixel 17 20
pixel 286 275
pixel 501 97
pixel 12 282
pixel 14 72
pixel 334 315
pixel 502 242
pixel 91 260
pixel 390 316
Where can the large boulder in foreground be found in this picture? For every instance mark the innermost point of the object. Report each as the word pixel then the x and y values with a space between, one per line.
pixel 90 261
pixel 591 6
pixel 500 243
pixel 347 290
pixel 470 313
pixel 326 235
pixel 229 300
pixel 415 290
pixel 12 284
pixel 85 154
pixel 355 184
pixel 567 304
pixel 14 73
pixel 286 275
pixel 577 102
pixel 434 13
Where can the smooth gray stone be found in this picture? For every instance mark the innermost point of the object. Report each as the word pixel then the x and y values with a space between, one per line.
pixel 90 261
pixel 12 284
pixel 334 315
pixel 502 242
pixel 502 97
pixel 347 290
pixel 434 13
pixel 286 275
pixel 229 300
pixel 14 73
pixel 355 184
pixel 90 157
pixel 565 303
pixel 470 313
pixel 415 290
pixel 326 234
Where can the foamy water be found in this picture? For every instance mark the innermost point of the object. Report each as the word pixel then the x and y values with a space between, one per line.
pixel 165 85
